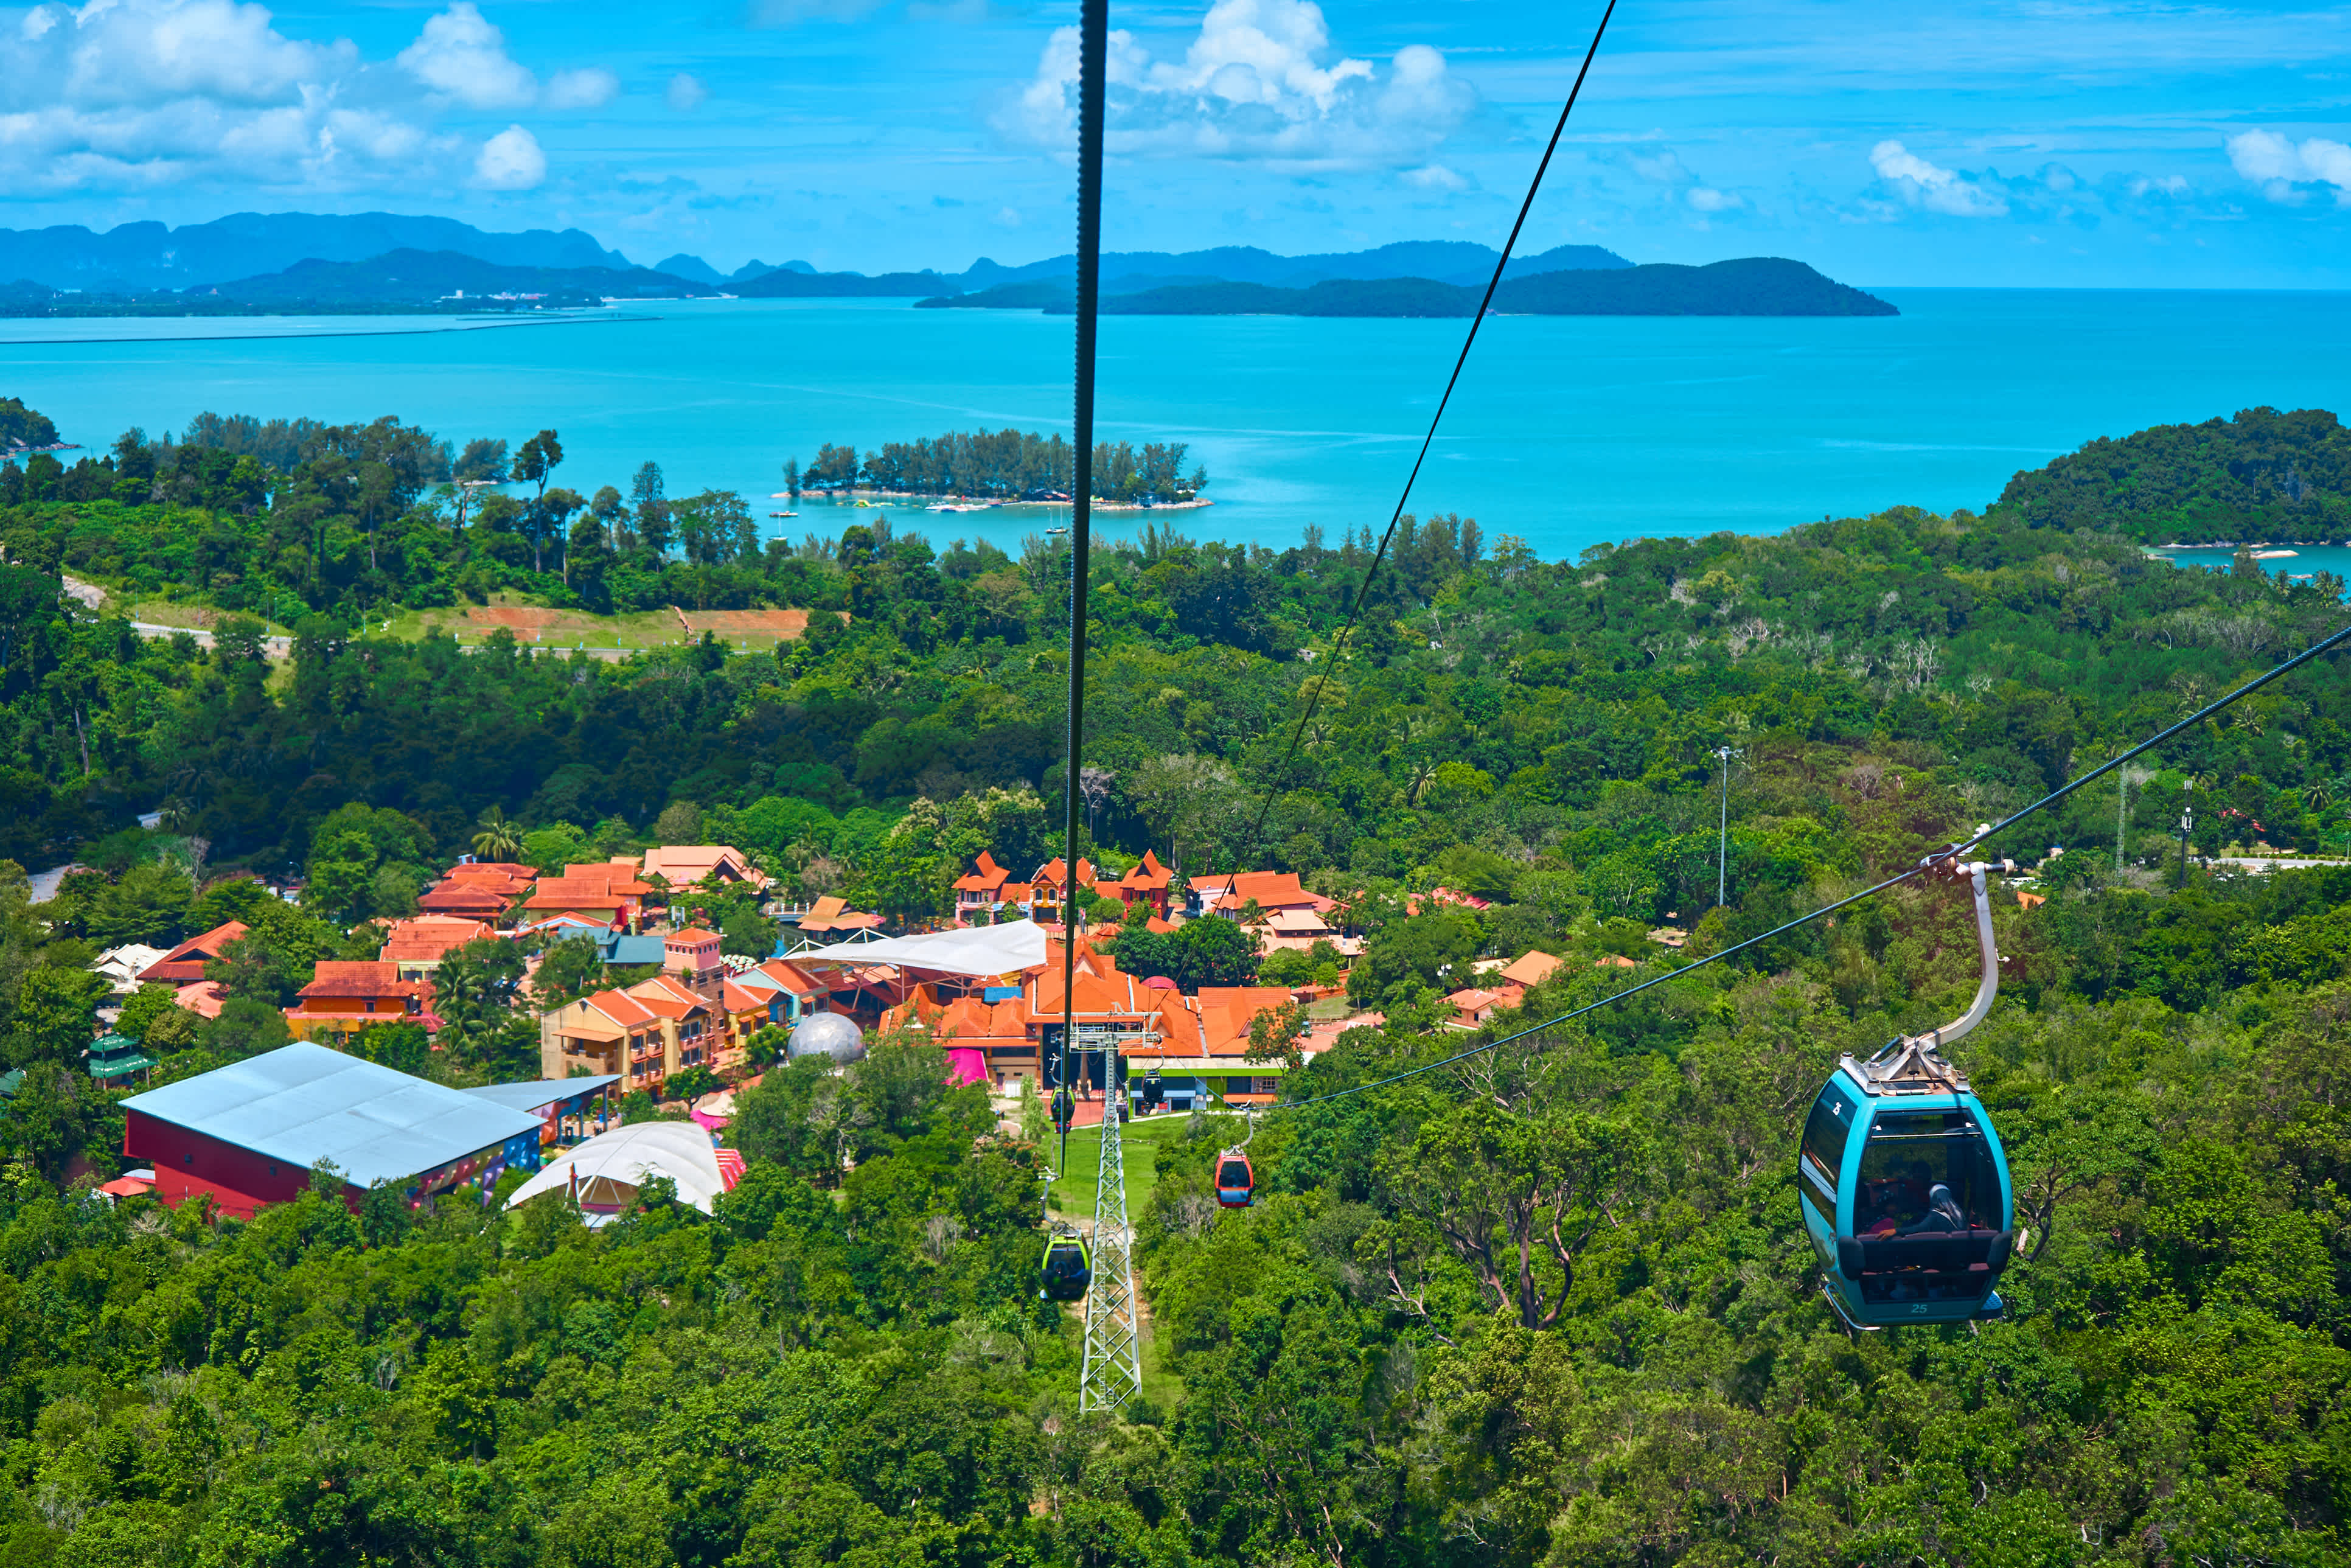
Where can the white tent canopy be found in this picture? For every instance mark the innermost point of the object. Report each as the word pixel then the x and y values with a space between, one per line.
pixel 610 1167
pixel 981 951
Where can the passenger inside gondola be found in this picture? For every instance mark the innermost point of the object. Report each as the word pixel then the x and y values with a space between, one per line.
pixel 1925 1207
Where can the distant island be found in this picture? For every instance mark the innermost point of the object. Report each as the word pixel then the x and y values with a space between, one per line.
pixel 1756 286
pixel 381 264
pixel 253 264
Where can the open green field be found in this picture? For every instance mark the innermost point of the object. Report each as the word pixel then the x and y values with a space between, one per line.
pixel 191 617
pixel 1073 1187
pixel 1074 1197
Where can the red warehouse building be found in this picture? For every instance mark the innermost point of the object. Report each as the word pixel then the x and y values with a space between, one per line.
pixel 250 1133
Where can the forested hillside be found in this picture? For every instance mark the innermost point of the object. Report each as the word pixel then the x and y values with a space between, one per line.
pixel 1552 1306
pixel 2260 475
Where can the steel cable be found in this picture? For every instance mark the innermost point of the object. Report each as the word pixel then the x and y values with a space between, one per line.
pixel 1249 844
pixel 1953 852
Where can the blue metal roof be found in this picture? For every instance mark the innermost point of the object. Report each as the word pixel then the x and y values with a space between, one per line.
pixel 539 1093
pixel 302 1104
pixel 622 948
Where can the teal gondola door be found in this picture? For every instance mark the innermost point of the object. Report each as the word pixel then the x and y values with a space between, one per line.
pixel 1901 1178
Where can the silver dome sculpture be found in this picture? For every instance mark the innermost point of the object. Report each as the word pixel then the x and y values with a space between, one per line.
pixel 827 1034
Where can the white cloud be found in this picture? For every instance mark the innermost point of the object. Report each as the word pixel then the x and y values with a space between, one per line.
pixel 1664 167
pixel 686 93
pixel 459 54
pixel 1435 177
pixel 591 89
pixel 1707 199
pixel 790 13
pixel 1922 184
pixel 153 94
pixel 2279 166
pixel 135 52
pixel 1258 82
pixel 510 160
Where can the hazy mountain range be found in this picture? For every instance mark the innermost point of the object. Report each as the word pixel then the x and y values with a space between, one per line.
pixel 246 248
pixel 294 262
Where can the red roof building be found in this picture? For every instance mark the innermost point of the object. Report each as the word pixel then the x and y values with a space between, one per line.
pixel 1524 975
pixel 1147 884
pixel 184 963
pixel 682 865
pixel 833 916
pixel 345 998
pixel 415 947
pixel 982 890
pixel 642 1035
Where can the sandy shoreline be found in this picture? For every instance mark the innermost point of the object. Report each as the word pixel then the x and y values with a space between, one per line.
pixel 977 503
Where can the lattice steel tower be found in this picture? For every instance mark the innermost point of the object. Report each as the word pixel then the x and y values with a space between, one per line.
pixel 1112 1370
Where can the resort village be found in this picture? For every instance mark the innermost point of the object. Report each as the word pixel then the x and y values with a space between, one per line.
pixel 668 1019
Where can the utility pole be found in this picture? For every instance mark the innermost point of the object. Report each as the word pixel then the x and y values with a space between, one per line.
pixel 2187 825
pixel 1723 847
pixel 1112 1373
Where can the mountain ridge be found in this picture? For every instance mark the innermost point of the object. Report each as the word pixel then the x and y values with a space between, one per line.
pixel 1746 286
pixel 148 255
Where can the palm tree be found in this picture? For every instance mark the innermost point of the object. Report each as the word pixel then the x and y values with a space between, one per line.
pixel 497 841
pixel 2317 795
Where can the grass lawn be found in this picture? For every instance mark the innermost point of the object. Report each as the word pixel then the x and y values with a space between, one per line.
pixel 535 627
pixel 193 617
pixel 1073 1189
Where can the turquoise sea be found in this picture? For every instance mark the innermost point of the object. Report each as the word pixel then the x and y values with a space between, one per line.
pixel 1567 431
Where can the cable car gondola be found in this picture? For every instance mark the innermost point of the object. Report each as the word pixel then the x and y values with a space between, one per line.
pixel 1154 1093
pixel 1067 1269
pixel 1905 1186
pixel 1236 1180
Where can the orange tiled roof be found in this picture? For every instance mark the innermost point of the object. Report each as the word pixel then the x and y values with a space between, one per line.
pixel 792 978
pixel 468 897
pixel 664 996
pixel 1533 969
pixel 622 1008
pixel 186 961
pixel 1052 871
pixel 574 893
pixel 986 878
pixel 1271 890
pixel 335 978
pixel 613 876
pixel 682 863
pixel 1147 876
pixel 831 914
pixel 426 938
pixel 692 936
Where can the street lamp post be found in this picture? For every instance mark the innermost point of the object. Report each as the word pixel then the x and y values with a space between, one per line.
pixel 2187 825
pixel 1722 842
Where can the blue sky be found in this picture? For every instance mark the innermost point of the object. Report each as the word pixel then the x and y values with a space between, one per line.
pixel 1973 142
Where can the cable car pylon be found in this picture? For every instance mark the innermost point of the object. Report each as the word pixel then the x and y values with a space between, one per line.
pixel 1112 1373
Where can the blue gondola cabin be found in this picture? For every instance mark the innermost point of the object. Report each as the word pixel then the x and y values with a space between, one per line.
pixel 1905 1194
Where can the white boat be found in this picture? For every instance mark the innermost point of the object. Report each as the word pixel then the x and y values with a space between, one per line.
pixel 783 514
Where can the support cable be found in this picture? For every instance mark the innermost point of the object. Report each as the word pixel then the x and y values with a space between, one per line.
pixel 1363 591
pixel 1940 857
pixel 1093 36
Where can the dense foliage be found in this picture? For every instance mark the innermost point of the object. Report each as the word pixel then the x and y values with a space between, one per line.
pixel 1549 1306
pixel 2260 475
pixel 21 427
pixel 1007 465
